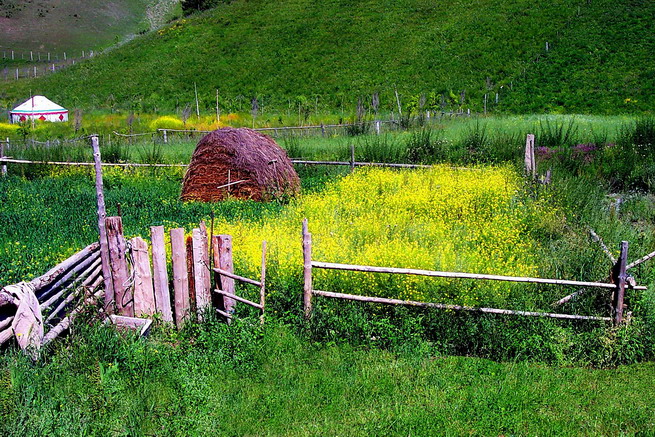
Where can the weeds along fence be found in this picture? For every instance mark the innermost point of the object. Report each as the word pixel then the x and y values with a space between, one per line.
pixel 620 281
pixel 136 287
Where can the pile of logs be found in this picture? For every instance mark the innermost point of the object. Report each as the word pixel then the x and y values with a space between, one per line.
pixel 60 293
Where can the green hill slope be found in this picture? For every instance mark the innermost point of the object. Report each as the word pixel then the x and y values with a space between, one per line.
pixel 293 53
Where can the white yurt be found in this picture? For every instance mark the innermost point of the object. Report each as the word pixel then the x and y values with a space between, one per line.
pixel 38 108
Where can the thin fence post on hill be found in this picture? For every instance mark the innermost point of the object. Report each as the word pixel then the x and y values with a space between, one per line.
pixel 180 277
pixel 307 269
pixel 530 164
pixel 160 273
pixel 3 168
pixel 118 262
pixel 144 294
pixel 352 158
pixel 619 277
pixel 110 302
pixel 222 253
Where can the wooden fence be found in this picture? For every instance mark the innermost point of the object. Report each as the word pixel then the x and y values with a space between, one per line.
pixel 40 64
pixel 618 286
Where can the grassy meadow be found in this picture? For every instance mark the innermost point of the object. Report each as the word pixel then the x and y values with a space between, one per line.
pixel 360 368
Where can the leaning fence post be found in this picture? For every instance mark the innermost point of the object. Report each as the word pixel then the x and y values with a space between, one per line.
pixel 307 269
pixel 352 158
pixel 110 298
pixel 619 277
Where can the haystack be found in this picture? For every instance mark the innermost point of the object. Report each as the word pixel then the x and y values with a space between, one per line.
pixel 238 163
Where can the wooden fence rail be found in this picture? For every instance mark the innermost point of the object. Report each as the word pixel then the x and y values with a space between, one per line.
pixel 618 286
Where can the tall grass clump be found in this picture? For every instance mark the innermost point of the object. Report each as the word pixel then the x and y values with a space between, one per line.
pixel 556 134
pixel 379 148
pixel 425 146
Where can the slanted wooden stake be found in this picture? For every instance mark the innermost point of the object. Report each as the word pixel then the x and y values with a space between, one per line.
pixel 160 274
pixel 144 294
pixel 201 271
pixel 180 276
pixel 530 164
pixel 620 277
pixel 118 263
pixel 352 158
pixel 110 303
pixel 307 269
pixel 223 260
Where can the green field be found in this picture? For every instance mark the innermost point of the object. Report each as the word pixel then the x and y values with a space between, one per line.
pixel 304 56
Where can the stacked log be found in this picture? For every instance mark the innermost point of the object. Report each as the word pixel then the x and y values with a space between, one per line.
pixel 59 292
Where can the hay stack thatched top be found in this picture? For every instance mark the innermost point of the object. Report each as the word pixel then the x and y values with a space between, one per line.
pixel 255 166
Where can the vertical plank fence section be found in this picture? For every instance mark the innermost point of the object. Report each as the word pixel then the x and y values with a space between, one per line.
pixel 223 260
pixel 201 271
pixel 144 295
pixel 118 263
pixel 180 276
pixel 110 303
pixel 620 277
pixel 160 274
pixel 307 269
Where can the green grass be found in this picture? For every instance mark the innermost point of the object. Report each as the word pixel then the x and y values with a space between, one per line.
pixel 304 57
pixel 241 380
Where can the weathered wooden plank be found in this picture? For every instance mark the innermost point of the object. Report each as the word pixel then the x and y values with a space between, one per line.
pixel 223 261
pixel 180 276
pixel 530 164
pixel 201 271
pixel 191 274
pixel 118 263
pixel 160 274
pixel 58 270
pixel 382 300
pixel 307 269
pixel 144 293
pixel 460 275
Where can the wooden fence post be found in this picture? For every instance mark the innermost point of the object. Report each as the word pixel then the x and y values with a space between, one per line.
pixel 3 168
pixel 223 260
pixel 619 277
pixel 307 269
pixel 144 295
pixel 110 298
pixel 262 289
pixel 201 271
pixel 352 158
pixel 530 164
pixel 118 263
pixel 165 137
pixel 180 276
pixel 160 273
pixel 191 274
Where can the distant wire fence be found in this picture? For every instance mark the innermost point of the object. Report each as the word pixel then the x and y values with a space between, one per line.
pixel 40 63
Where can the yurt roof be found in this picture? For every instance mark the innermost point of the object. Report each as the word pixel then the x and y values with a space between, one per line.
pixel 38 104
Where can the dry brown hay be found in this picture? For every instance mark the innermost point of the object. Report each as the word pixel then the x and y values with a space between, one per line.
pixel 229 155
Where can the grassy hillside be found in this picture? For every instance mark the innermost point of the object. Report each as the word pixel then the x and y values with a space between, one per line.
pixel 66 25
pixel 301 55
